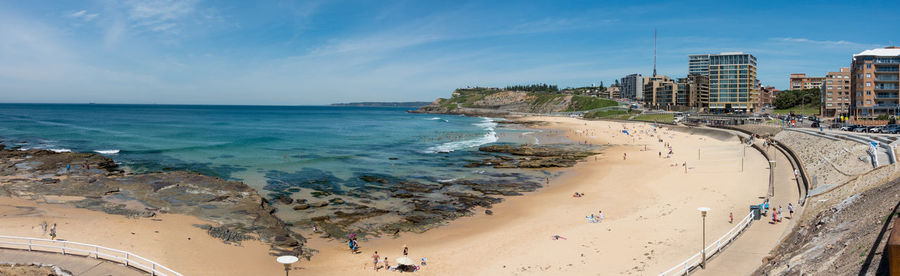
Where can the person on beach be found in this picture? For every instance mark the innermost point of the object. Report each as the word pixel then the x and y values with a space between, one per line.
pixel 315 228
pixel 68 167
pixel 791 210
pixel 779 212
pixel 376 258
pixel 730 217
pixel 660 154
pixel 405 250
pixel 548 181
pixel 600 215
pixel 796 173
pixel 624 156
pixel 53 232
pixel 386 265
pixel 774 216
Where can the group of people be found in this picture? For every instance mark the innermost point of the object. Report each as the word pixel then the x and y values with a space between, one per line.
pixel 777 213
pixel 384 263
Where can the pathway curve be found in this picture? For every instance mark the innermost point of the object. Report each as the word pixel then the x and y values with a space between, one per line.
pixel 78 265
pixel 745 254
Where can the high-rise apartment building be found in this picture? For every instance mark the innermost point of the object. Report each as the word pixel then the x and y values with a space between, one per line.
pixel 693 91
pixel 801 81
pixel 660 92
pixel 836 93
pixel 698 65
pixel 633 87
pixel 733 86
pixel 874 86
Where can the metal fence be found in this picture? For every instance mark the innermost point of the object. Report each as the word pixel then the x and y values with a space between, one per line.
pixel 87 250
pixel 715 247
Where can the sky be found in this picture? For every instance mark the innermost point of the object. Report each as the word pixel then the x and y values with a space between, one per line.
pixel 321 52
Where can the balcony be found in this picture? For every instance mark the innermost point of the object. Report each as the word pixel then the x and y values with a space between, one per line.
pixel 886 69
pixel 886 86
pixel 887 96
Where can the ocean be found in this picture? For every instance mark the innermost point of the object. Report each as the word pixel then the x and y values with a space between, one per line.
pixel 270 148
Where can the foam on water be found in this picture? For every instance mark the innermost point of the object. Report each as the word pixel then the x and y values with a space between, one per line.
pixel 490 137
pixel 115 151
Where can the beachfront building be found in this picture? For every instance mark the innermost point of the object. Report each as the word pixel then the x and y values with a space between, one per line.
pixel 801 81
pixel 693 91
pixel 836 93
pixel 766 95
pixel 733 86
pixel 698 65
pixel 874 86
pixel 633 87
pixel 612 92
pixel 660 92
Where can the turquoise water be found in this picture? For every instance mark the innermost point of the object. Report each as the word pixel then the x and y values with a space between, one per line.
pixel 268 147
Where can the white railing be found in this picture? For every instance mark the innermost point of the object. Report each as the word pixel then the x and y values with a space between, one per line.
pixel 687 265
pixel 88 250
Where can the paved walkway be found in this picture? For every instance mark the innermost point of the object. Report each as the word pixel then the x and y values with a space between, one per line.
pixel 745 254
pixel 78 265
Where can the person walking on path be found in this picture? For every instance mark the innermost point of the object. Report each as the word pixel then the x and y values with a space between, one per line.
pixel 779 212
pixel 796 174
pixel 53 232
pixel 791 210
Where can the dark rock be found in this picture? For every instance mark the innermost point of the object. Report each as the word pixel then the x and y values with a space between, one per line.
pixel 336 200
pixel 488 212
pixel 302 206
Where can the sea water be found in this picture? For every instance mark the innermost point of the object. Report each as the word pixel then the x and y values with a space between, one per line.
pixel 318 147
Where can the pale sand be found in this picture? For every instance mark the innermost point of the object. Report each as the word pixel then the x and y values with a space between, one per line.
pixel 652 222
pixel 650 207
pixel 164 241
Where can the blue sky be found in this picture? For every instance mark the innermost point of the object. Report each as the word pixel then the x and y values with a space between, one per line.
pixel 320 52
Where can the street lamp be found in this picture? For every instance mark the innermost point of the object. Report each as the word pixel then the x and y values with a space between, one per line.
pixel 703 211
pixel 287 260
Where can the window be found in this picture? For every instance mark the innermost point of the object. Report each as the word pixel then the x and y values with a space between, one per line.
pixel 868 101
pixel 869 66
pixel 868 84
pixel 868 75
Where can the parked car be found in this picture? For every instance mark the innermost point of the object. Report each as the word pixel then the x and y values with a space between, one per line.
pixel 850 127
pixel 892 129
pixel 814 124
pixel 873 129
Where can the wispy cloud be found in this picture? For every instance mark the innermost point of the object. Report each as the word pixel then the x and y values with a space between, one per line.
pixel 831 43
pixel 159 16
pixel 83 15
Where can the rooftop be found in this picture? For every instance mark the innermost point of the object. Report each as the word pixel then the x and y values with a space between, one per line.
pixel 886 51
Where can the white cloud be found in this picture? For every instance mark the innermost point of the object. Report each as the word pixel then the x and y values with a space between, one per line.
pixel 84 15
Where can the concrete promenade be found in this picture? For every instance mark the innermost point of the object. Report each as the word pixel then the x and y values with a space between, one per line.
pixel 745 254
pixel 78 265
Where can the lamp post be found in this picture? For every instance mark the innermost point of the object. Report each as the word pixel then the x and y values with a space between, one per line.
pixel 287 260
pixel 703 211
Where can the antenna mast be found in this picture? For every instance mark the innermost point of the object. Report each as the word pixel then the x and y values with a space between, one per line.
pixel 654 52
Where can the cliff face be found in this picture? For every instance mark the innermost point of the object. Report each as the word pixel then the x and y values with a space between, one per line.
pixel 495 101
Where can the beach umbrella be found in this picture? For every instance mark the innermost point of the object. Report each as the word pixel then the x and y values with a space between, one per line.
pixel 405 261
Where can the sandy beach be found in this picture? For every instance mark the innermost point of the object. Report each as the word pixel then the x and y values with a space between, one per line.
pixel 649 203
pixel 168 239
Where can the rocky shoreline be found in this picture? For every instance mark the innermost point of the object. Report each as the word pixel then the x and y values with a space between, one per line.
pixel 374 205
pixel 95 182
